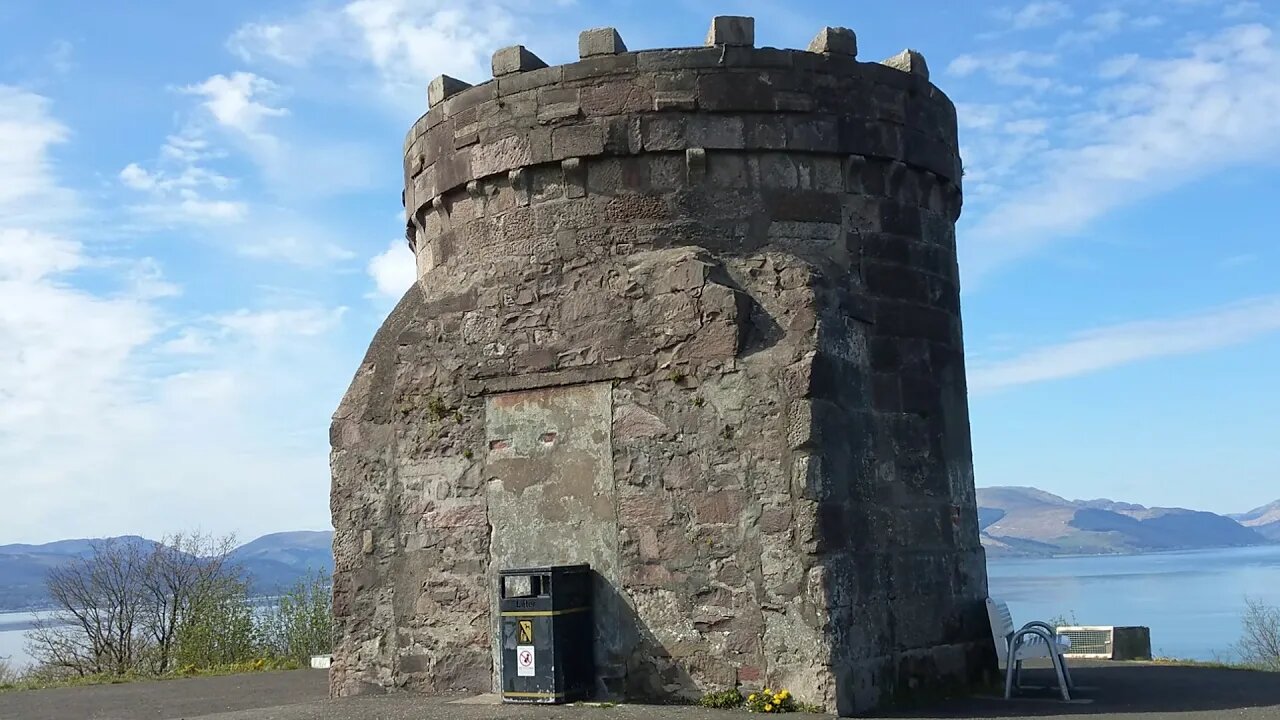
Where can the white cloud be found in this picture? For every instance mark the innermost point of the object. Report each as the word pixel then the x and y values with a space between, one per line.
pixel 1104 24
pixel 393 270
pixel 295 249
pixel 1037 14
pixel 28 134
pixel 1128 343
pixel 402 43
pixel 1164 123
pixel 1235 261
pixel 244 107
pixel 1118 66
pixel 1012 68
pixel 28 255
pixel 61 57
pixel 181 190
pixel 1027 126
pixel 118 416
pixel 239 102
pixel 1245 8
pixel 977 115
pixel 267 326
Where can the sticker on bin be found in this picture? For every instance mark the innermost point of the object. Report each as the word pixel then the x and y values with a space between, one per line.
pixel 524 661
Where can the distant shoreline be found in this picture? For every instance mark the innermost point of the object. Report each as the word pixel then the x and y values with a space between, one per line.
pixel 1066 556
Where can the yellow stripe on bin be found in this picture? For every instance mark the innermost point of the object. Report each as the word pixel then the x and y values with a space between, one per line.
pixel 532 695
pixel 543 613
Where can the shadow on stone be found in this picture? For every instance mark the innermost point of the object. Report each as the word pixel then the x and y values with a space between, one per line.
pixel 631 663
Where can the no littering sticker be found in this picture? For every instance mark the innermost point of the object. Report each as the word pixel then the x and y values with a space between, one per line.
pixel 524 660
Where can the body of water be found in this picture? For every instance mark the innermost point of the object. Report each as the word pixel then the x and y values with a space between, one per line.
pixel 1192 601
pixel 13 627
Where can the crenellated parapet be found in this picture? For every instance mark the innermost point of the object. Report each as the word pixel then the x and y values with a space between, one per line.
pixel 728 97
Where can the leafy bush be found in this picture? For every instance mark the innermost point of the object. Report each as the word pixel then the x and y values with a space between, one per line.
pixel 220 629
pixel 8 676
pixel 301 623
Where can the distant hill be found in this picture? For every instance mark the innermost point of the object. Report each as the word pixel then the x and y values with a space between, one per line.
pixel 1264 520
pixel 279 560
pixel 271 562
pixel 1027 521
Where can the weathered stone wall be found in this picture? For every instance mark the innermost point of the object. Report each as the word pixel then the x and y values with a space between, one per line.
pixel 691 316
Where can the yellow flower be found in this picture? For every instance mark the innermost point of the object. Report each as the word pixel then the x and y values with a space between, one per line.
pixel 767 691
pixel 785 694
pixel 751 697
pixel 768 708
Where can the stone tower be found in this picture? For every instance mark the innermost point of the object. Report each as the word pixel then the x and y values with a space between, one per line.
pixel 690 316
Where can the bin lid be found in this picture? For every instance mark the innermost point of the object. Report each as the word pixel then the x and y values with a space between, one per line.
pixel 546 569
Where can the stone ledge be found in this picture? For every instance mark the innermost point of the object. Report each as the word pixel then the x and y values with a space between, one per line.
pixel 939 167
pixel 556 378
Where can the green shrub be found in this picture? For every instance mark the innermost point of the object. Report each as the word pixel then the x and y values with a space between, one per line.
pixel 723 700
pixel 301 623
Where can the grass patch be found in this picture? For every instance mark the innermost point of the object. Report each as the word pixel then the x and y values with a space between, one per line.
pixel 1215 664
pixel 38 681
pixel 724 700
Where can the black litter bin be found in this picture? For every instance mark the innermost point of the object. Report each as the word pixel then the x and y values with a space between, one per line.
pixel 547 653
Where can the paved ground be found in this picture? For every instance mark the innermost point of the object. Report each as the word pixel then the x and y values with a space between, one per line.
pixel 1110 691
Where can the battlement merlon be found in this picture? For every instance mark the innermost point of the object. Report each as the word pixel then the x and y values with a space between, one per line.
pixel 617 102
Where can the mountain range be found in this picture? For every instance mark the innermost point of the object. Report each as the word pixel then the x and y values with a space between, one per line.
pixel 271 563
pixel 1027 521
pixel 1013 521
pixel 1265 520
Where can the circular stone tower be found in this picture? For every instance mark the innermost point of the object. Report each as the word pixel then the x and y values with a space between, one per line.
pixel 690 316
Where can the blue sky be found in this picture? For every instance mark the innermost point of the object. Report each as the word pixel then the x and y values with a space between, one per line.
pixel 200 231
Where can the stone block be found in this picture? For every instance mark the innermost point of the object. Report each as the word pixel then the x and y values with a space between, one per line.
pixel 600 41
pixel 908 61
pixel 600 65
pixel 444 87
pixel 682 59
pixel 675 100
pixel 577 141
pixel 515 59
pixel 521 82
pixel 695 165
pixel 575 177
pixel 732 30
pixel 835 40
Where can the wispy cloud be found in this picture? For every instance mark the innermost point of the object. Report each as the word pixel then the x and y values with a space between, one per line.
pixel 1036 14
pixel 1242 9
pixel 396 46
pixel 1161 123
pixel 1014 69
pixel 181 188
pixel 167 414
pixel 1129 343
pixel 295 249
pixel 1235 261
pixel 239 102
pixel 246 108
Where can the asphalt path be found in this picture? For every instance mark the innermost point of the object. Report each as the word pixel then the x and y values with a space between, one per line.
pixel 1137 691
